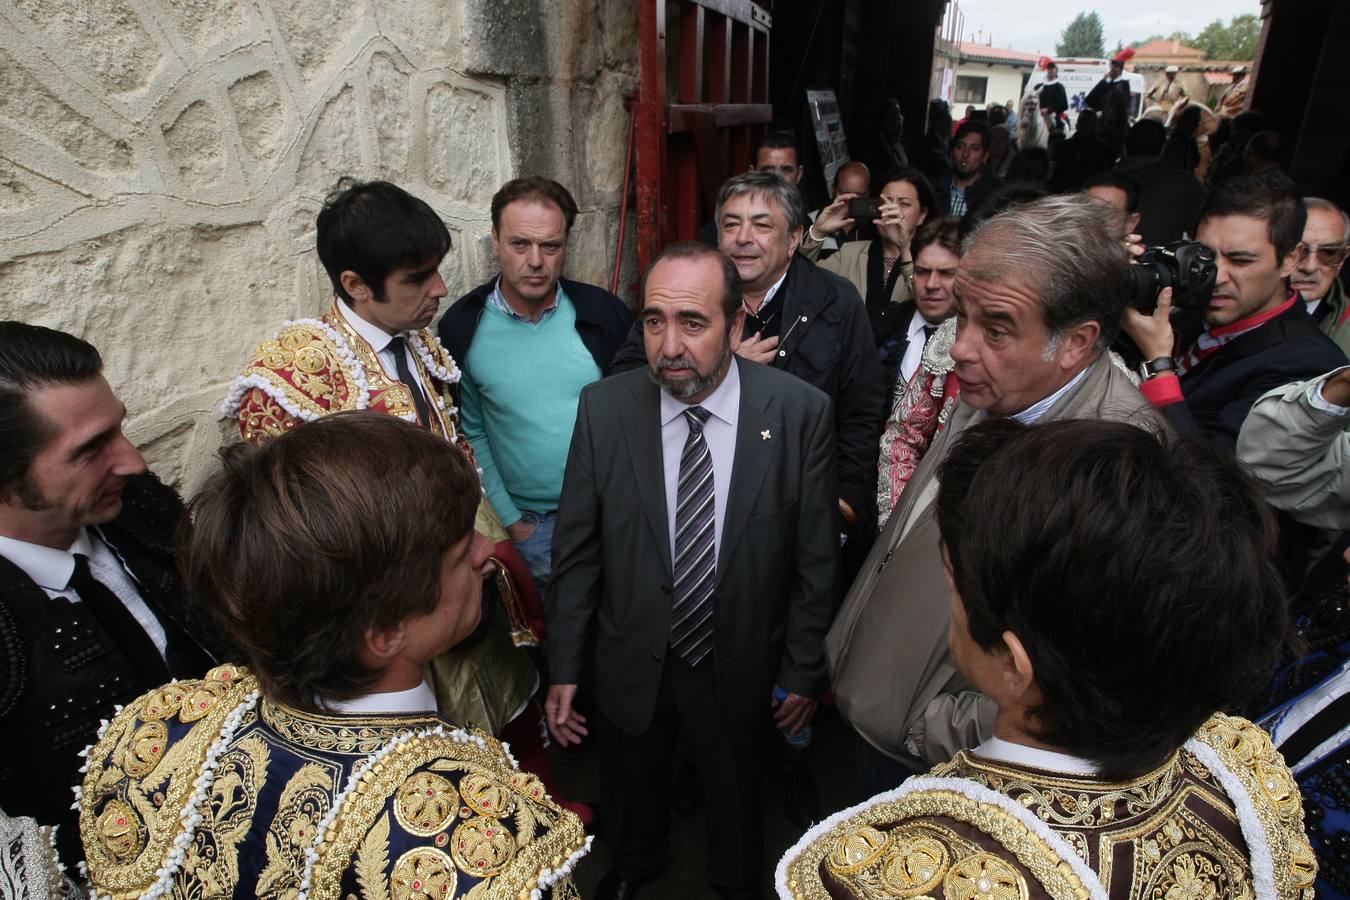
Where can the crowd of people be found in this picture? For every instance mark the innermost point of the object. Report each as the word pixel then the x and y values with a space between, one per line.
pixel 1044 523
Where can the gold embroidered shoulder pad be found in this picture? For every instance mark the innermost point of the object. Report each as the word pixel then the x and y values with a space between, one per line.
pixel 935 837
pixel 1268 803
pixel 307 371
pixel 141 788
pixel 446 813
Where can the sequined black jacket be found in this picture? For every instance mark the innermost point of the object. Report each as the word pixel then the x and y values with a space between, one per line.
pixel 61 673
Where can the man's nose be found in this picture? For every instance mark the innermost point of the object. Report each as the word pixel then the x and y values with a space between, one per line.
pixel 672 344
pixel 534 257
pixel 129 459
pixel 438 288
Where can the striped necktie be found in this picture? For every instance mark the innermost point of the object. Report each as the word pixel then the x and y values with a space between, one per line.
pixel 691 629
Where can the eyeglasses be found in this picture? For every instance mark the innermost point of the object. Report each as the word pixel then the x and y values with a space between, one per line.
pixel 1327 254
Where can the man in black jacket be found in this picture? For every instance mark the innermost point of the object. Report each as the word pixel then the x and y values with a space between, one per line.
pixel 1254 335
pixel 91 611
pixel 803 320
pixel 527 342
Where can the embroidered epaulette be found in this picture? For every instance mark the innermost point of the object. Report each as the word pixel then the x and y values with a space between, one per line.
pixel 146 779
pixel 1269 806
pixel 307 371
pixel 901 844
pixel 445 813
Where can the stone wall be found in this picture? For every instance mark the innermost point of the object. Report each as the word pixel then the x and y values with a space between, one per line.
pixel 161 162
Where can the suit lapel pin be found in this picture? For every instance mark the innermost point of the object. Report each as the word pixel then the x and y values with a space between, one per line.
pixel 765 435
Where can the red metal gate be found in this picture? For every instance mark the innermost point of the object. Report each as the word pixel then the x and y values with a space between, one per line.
pixel 692 135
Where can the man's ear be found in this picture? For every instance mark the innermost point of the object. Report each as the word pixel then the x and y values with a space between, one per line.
pixel 1290 262
pixel 383 644
pixel 355 287
pixel 794 239
pixel 1077 345
pixel 1019 674
pixel 737 329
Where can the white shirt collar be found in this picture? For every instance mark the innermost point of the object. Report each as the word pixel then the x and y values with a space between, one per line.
pixel 916 324
pixel 371 333
pixel 418 699
pixel 1033 413
pixel 1000 750
pixel 48 567
pixel 768 295
pixel 724 402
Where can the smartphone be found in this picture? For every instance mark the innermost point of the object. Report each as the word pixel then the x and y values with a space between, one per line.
pixel 864 208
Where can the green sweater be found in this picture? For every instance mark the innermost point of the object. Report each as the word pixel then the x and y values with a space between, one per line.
pixel 522 382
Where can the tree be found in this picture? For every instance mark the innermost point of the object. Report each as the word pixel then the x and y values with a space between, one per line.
pixel 1236 41
pixel 1082 37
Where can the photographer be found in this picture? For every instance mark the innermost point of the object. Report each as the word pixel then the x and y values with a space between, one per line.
pixel 1205 370
pixel 883 269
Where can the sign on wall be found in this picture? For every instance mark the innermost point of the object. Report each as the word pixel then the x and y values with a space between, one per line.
pixel 829 129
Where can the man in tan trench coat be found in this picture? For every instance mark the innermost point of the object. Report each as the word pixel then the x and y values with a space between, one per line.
pixel 1040 294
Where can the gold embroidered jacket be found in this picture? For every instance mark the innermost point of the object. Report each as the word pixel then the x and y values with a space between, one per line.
pixel 1221 819
pixel 315 367
pixel 319 366
pixel 202 789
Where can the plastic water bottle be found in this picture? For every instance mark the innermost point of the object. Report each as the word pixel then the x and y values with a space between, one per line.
pixel 802 739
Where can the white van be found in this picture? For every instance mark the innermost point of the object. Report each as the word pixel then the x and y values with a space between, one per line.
pixel 1079 76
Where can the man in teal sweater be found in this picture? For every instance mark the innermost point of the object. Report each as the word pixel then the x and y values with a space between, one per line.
pixel 527 342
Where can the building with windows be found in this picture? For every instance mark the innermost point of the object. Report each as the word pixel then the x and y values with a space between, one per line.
pixel 986 74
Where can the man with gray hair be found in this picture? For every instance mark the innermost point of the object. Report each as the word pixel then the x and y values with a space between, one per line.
pixel 1040 293
pixel 1322 252
pixel 805 321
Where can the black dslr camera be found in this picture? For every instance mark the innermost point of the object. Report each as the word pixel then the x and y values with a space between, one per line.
pixel 1187 267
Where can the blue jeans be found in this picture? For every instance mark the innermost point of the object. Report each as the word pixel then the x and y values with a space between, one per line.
pixel 537 549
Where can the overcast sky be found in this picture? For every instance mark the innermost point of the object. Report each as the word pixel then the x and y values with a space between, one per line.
pixel 1034 27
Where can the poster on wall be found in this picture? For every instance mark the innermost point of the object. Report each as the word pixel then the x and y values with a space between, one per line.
pixel 829 129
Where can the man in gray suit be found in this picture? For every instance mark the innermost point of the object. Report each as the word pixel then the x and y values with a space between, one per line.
pixel 695 556
pixel 1040 295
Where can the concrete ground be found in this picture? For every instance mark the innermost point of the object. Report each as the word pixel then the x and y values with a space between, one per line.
pixel 831 763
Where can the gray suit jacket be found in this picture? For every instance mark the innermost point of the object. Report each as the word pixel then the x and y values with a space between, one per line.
pixel 892 674
pixel 610 596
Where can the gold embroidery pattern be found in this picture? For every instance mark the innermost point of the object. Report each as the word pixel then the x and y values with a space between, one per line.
pixel 1057 879
pixel 119 831
pixel 363 807
pixel 984 877
pixel 333 734
pixel 145 749
pixel 304 802
pixel 156 801
pixel 425 804
pixel 482 846
pixel 1247 751
pixel 488 798
pixel 423 874
pixel 212 861
pixel 856 850
pixel 916 867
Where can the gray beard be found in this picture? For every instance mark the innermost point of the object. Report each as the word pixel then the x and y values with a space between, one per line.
pixel 684 388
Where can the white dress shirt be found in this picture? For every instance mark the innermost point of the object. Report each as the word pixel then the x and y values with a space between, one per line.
pixel 909 363
pixel 999 750
pixel 414 700
pixel 51 570
pixel 379 341
pixel 719 432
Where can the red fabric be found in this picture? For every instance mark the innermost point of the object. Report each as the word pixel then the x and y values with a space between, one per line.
pixel 1164 390
pixel 531 604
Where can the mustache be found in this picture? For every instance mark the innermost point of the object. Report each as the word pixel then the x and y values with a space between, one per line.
pixel 678 362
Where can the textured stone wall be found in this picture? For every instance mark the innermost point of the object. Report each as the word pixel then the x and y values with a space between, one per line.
pixel 161 162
